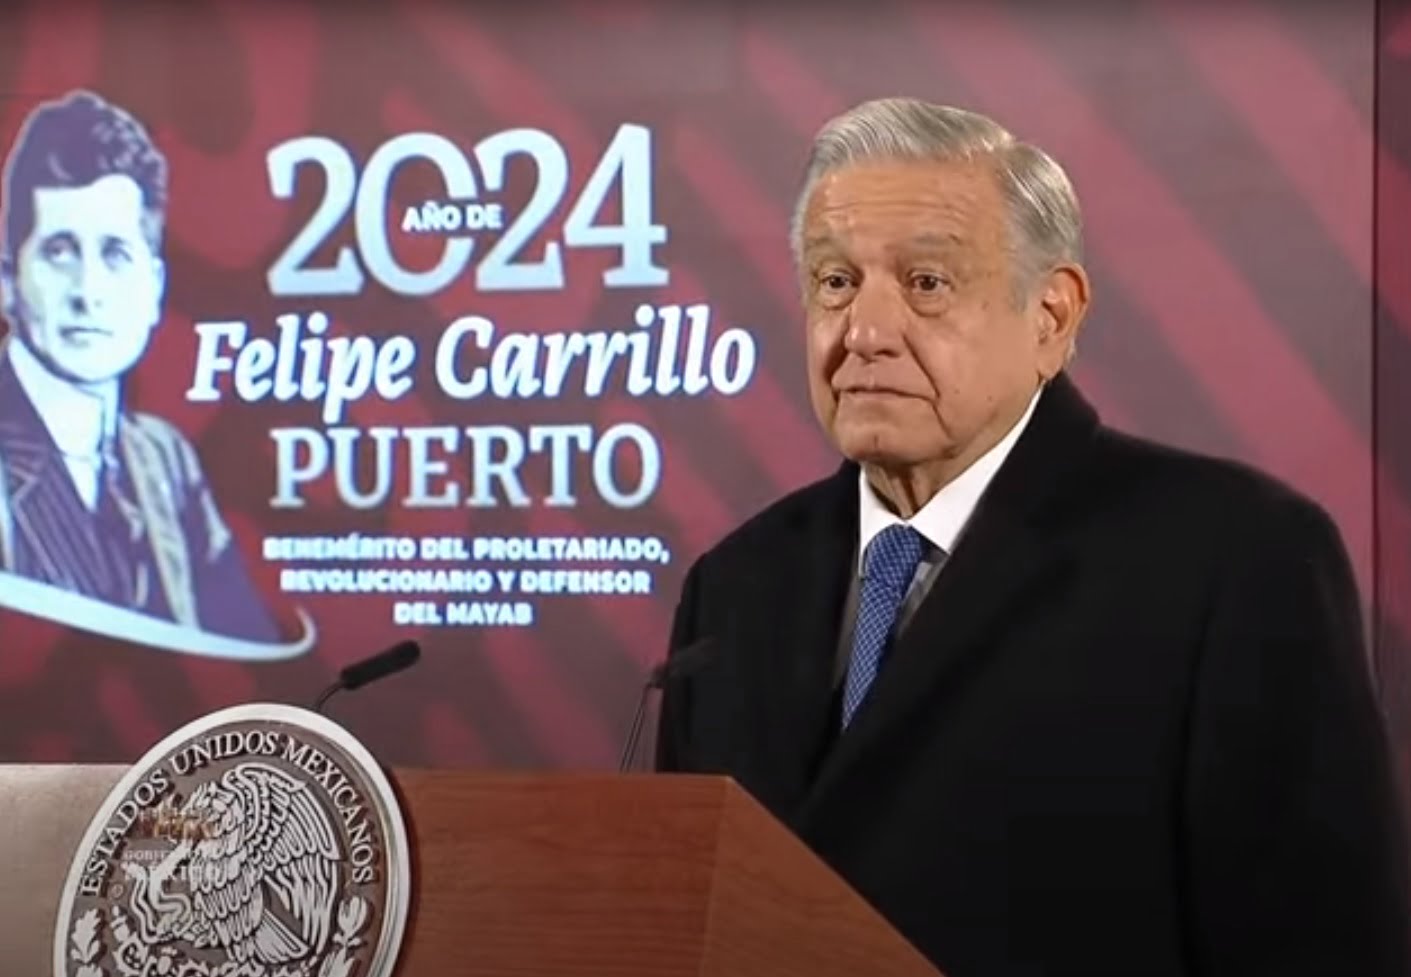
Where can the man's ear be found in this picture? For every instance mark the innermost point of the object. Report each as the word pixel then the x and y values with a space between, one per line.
pixel 159 292
pixel 8 293
pixel 1064 297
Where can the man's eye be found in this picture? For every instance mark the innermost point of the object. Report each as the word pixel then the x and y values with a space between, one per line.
pixel 927 282
pixel 835 281
pixel 59 249
pixel 115 253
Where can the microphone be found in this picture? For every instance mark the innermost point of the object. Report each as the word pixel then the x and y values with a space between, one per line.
pixel 684 662
pixel 402 655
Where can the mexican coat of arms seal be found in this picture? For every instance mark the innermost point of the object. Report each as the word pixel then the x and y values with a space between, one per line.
pixel 258 841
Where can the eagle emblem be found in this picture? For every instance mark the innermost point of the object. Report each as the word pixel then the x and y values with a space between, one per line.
pixel 259 841
pixel 261 863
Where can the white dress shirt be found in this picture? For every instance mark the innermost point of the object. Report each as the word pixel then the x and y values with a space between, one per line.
pixel 941 521
pixel 77 420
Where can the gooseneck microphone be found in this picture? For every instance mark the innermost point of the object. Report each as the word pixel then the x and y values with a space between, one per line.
pixel 402 655
pixel 683 662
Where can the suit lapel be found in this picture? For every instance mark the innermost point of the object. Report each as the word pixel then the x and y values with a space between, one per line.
pixel 1004 560
pixel 26 443
pixel 25 451
pixel 789 643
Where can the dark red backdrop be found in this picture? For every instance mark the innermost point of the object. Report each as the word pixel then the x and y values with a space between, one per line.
pixel 1225 158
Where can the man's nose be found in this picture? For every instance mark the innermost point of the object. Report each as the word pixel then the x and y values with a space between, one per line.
pixel 876 320
pixel 87 287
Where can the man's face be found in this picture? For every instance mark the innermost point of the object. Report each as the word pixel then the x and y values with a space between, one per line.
pixel 918 351
pixel 86 289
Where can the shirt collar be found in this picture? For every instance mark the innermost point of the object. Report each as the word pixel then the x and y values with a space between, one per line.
pixel 943 518
pixel 75 418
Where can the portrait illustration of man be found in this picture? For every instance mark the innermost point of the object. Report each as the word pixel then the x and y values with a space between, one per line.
pixel 97 499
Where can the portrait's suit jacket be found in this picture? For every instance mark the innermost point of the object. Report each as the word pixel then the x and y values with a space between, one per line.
pixel 156 542
pixel 1130 731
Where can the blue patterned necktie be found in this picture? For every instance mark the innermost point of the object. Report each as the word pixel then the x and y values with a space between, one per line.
pixel 890 564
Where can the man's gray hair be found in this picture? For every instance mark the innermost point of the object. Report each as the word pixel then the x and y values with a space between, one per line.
pixel 1045 221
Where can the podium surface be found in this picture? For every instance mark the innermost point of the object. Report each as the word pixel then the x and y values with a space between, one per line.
pixel 544 875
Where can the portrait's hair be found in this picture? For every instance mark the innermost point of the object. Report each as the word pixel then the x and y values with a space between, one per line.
pixel 73 142
pixel 1044 218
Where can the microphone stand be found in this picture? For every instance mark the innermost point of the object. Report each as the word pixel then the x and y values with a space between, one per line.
pixel 327 694
pixel 635 732
pixel 688 660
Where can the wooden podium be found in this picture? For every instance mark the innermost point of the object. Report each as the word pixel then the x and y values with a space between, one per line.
pixel 534 876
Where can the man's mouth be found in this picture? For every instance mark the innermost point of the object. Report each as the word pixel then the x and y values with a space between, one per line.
pixel 872 392
pixel 83 335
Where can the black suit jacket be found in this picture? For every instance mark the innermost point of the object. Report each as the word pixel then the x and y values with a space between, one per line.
pixel 1129 732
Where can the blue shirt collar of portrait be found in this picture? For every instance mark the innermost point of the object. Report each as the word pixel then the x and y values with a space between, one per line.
pixel 78 421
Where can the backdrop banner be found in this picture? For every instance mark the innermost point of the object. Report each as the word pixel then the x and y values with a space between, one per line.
pixel 335 324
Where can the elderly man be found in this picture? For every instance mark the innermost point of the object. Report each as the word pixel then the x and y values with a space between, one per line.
pixel 1056 700
pixel 95 499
